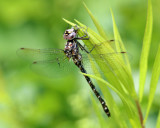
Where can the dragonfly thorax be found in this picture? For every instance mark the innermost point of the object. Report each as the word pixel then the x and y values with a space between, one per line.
pixel 69 46
pixel 70 34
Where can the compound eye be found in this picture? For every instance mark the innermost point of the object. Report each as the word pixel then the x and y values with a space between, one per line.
pixel 67 32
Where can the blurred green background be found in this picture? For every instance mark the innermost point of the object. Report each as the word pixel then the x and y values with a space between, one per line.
pixel 30 100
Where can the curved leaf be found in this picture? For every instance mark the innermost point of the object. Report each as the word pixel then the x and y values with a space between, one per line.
pixel 129 85
pixel 158 121
pixel 98 26
pixel 154 81
pixel 145 50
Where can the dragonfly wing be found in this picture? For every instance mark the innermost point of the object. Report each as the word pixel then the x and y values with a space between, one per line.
pixel 40 54
pixel 49 62
pixel 53 68
pixel 114 44
pixel 103 62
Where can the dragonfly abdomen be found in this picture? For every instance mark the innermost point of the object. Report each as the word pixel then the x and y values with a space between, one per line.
pixel 105 108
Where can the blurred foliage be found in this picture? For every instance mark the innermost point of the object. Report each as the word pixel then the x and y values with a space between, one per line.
pixel 31 100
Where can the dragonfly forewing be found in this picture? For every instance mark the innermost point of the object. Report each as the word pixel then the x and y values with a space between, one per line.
pixel 40 54
pixel 49 62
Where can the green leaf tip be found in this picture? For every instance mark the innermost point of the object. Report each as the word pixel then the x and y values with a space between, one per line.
pixel 68 22
pixel 158 120
pixel 153 83
pixel 120 47
pixel 145 50
pixel 96 23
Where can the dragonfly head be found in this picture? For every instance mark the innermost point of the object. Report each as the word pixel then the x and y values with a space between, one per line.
pixel 70 34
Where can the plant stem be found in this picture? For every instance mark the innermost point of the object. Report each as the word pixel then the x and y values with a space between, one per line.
pixel 140 113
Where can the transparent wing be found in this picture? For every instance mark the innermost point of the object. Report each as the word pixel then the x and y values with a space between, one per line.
pixel 107 62
pixel 49 62
pixel 108 43
pixel 54 68
pixel 112 59
pixel 41 54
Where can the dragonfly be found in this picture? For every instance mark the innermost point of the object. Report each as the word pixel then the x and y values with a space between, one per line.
pixel 70 52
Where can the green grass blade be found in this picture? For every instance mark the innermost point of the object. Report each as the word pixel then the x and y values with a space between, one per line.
pixel 158 121
pixel 145 50
pixel 98 26
pixel 72 24
pixel 118 41
pixel 120 47
pixel 154 81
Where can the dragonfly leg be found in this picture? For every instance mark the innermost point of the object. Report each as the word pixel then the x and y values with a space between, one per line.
pixel 83 48
pixel 83 37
